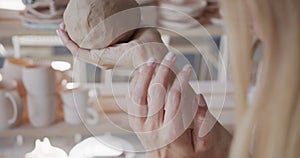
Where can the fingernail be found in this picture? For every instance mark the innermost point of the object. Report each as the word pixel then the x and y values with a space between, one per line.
pixel 150 61
pixel 57 32
pixel 170 56
pixel 187 68
pixel 61 25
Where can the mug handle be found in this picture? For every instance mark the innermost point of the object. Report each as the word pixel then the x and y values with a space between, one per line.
pixel 17 109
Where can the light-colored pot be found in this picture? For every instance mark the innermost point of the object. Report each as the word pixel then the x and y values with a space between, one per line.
pixel 39 80
pixel 42 109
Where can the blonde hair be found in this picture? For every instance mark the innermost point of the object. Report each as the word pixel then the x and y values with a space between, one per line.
pixel 274 115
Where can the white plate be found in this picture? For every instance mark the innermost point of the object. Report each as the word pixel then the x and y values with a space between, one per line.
pixel 105 145
pixel 217 21
pixel 178 25
pixel 179 16
pixel 142 2
pixel 189 8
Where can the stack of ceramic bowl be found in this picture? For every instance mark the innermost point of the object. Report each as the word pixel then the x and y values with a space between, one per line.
pixel 212 12
pixel 43 14
pixel 40 84
pixel 145 2
pixel 180 14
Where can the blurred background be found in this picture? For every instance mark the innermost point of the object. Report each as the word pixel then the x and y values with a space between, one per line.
pixel 27 35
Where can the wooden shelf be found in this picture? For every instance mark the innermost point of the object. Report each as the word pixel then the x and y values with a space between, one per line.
pixel 9 28
pixel 63 129
pixel 225 114
pixel 213 30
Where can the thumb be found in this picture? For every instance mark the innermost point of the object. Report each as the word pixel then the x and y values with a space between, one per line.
pixel 202 126
pixel 204 120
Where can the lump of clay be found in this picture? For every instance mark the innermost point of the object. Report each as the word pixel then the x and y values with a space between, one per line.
pixel 96 24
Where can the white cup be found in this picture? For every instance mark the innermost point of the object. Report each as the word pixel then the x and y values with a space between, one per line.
pixel 42 110
pixel 12 68
pixel 75 116
pixel 39 80
pixel 77 107
pixel 9 99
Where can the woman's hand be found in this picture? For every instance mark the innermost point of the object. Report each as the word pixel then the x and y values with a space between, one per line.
pixel 168 119
pixel 146 43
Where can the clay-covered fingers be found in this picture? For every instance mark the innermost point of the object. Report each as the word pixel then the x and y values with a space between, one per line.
pixel 139 89
pixel 158 88
pixel 118 55
pixel 105 58
pixel 62 26
pixel 176 93
pixel 145 44
pixel 71 45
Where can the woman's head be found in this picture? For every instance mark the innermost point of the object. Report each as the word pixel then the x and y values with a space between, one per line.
pixel 276 105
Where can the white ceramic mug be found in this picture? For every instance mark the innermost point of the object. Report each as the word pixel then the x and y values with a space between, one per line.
pixel 9 99
pixel 12 70
pixel 39 80
pixel 76 116
pixel 77 107
pixel 42 110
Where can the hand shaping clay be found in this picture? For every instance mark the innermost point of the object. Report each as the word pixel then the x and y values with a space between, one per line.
pixel 94 24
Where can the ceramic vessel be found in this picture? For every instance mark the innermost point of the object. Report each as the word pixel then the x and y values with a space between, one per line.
pixel 10 102
pixel 42 110
pixel 77 107
pixel 39 80
pixel 103 146
pixel 12 70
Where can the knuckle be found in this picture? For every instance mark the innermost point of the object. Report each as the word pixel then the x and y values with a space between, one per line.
pixel 164 69
pixel 157 90
pixel 174 93
pixel 145 71
pixel 137 96
pixel 140 52
pixel 102 64
pixel 181 78
pixel 136 124
pixel 152 125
